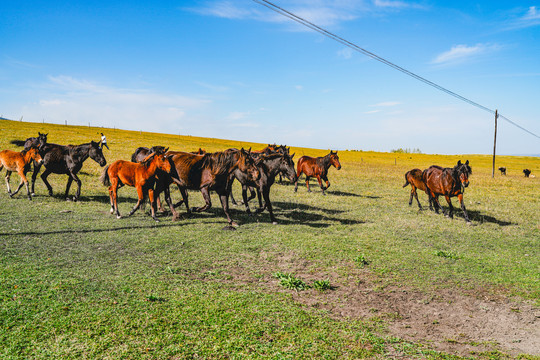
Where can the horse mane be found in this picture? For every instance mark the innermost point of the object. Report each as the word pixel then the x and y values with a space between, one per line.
pixel 324 162
pixel 220 162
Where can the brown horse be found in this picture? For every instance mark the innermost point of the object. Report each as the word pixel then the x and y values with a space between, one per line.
pixel 210 171
pixel 317 167
pixel 140 175
pixel 19 162
pixel 415 179
pixel 448 182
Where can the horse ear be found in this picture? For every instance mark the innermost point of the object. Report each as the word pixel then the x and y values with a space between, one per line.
pixel 467 162
pixel 459 162
pixel 292 155
pixel 167 149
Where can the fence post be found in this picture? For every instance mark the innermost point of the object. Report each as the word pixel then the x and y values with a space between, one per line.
pixel 494 144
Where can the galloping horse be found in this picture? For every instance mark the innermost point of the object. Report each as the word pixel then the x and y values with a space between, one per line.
pixel 317 167
pixel 448 182
pixel 210 171
pixel 269 166
pixel 415 179
pixel 19 162
pixel 67 159
pixel 140 175
pixel 36 142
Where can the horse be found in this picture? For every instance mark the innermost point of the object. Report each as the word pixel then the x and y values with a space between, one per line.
pixel 36 142
pixel 269 166
pixel 67 159
pixel 317 167
pixel 19 162
pixel 502 169
pixel 448 182
pixel 142 152
pixel 527 172
pixel 414 178
pixel 139 175
pixel 210 171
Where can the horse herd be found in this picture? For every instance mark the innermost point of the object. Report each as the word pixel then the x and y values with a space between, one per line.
pixel 153 170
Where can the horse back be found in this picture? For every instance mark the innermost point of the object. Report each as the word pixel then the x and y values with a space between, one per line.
pixel 440 181
pixel 415 178
pixel 308 165
pixel 188 168
pixel 11 160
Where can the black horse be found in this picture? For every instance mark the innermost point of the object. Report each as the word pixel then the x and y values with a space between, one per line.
pixel 32 142
pixel 269 166
pixel 67 159
pixel 142 152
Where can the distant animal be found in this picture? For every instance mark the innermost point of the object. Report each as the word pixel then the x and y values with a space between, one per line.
pixel 448 182
pixel 415 179
pixel 527 172
pixel 502 169
pixel 67 159
pixel 36 142
pixel 19 162
pixel 210 171
pixel 269 166
pixel 318 168
pixel 139 175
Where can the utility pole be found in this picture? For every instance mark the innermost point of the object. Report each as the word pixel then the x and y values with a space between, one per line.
pixel 494 144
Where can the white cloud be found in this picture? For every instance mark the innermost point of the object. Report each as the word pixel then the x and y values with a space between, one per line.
pixel 532 14
pixel 462 53
pixel 299 87
pixel 345 53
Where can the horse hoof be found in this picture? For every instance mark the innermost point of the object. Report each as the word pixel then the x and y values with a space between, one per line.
pixel 118 216
pixel 112 211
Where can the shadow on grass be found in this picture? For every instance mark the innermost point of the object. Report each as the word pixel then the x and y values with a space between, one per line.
pixel 477 216
pixel 343 193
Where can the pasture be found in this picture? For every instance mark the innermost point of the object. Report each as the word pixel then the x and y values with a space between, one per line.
pixel 357 273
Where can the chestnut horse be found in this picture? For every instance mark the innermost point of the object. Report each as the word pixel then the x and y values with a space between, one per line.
pixel 316 167
pixel 448 182
pixel 139 175
pixel 210 171
pixel 415 179
pixel 19 162
pixel 67 159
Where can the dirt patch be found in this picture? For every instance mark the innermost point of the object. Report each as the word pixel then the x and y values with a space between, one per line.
pixel 449 321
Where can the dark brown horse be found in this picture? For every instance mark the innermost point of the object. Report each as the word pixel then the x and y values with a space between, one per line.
pixel 527 172
pixel 502 169
pixel 19 162
pixel 32 142
pixel 142 152
pixel 67 159
pixel 269 166
pixel 210 171
pixel 316 167
pixel 448 182
pixel 139 175
pixel 415 179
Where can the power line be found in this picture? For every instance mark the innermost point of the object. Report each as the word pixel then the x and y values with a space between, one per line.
pixel 353 46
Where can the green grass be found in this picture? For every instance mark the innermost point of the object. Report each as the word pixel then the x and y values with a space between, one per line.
pixel 75 282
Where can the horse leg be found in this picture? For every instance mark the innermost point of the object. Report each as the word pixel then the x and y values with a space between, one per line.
pixel 296 182
pixel 268 204
pixel 140 199
pixel 244 197
pixel 327 182
pixel 34 176
pixel 79 184
pixel 307 184
pixel 8 175
pixel 168 199
pixel 413 192
pixel 44 178
pixel 153 201
pixel 224 197
pixel 320 184
pixel 25 182
pixel 252 194
pixel 450 212
pixel 460 197
pixel 206 196
pixel 113 190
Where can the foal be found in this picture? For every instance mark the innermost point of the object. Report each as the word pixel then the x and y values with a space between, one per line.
pixel 414 178
pixel 140 175
pixel 19 162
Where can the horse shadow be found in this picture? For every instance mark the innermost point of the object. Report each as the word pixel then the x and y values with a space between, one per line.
pixel 344 193
pixel 477 216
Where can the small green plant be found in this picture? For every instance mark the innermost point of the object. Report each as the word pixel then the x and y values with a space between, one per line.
pixel 447 254
pixel 322 285
pixel 361 260
pixel 290 282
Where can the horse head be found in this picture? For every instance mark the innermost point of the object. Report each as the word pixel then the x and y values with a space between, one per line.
pixel 42 139
pixel 159 149
pixel 96 153
pixel 463 171
pixel 246 164
pixel 287 167
pixel 33 153
pixel 334 159
pixel 163 162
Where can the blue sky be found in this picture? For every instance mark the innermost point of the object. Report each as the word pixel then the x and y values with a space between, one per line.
pixel 237 70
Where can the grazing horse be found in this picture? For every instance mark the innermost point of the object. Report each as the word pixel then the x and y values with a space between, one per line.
pixel 527 172
pixel 269 166
pixel 502 169
pixel 139 175
pixel 415 179
pixel 67 159
pixel 142 152
pixel 317 167
pixel 210 171
pixel 448 182
pixel 19 162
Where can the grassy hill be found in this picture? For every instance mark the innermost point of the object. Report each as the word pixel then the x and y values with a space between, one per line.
pixel 75 282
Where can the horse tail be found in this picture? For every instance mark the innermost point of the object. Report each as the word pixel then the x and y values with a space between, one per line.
pixel 406 179
pixel 104 178
pixel 18 142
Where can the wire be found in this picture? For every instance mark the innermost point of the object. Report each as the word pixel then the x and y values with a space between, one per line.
pixel 353 46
